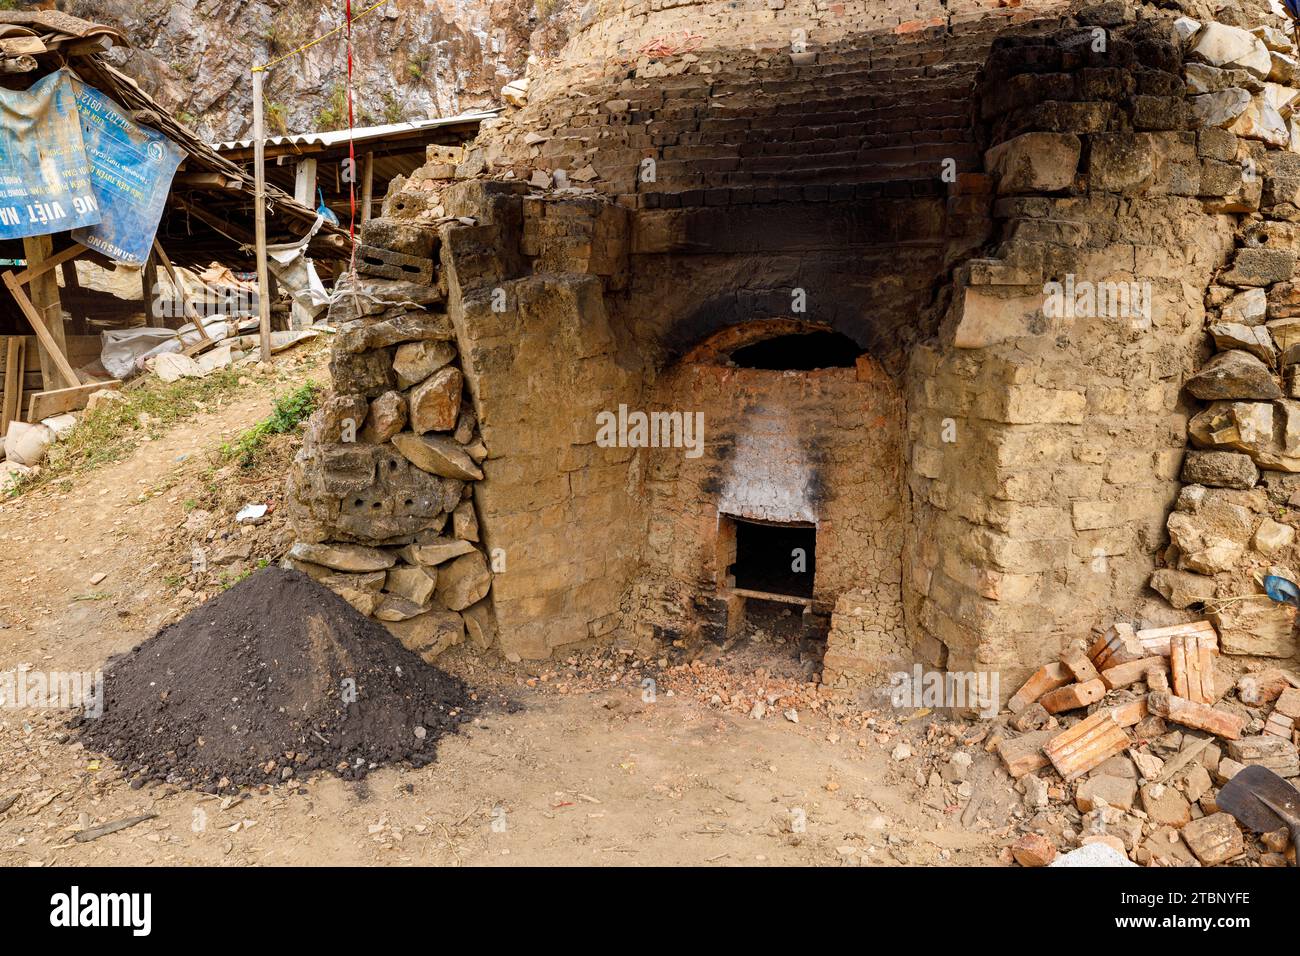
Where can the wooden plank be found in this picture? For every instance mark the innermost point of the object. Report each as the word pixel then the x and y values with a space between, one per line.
pixel 149 292
pixel 1086 745
pixel 50 347
pixel 44 404
pixel 72 292
pixel 44 302
pixel 20 46
pixel 179 289
pixel 13 393
pixel 769 596
pixel 304 182
pixel 36 269
pixel 81 350
pixel 259 216
pixel 367 186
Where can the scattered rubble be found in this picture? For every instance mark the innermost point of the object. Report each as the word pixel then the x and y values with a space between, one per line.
pixel 1139 760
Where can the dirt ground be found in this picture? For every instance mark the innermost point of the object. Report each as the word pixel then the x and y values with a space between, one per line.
pixel 605 757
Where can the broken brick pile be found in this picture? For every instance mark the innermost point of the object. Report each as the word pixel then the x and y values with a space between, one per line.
pixel 1137 734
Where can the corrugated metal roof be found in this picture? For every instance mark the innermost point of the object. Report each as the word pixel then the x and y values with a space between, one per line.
pixel 361 134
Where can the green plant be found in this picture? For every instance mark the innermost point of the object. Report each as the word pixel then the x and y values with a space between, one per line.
pixel 289 412
pixel 336 114
pixel 392 109
pixel 278 117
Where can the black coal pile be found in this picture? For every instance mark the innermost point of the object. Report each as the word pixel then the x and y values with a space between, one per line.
pixel 267 682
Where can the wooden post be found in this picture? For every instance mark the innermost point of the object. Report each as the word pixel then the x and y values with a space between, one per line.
pixel 367 186
pixel 45 299
pixel 48 346
pixel 72 288
pixel 148 287
pixel 259 206
pixel 179 289
pixel 304 182
pixel 13 393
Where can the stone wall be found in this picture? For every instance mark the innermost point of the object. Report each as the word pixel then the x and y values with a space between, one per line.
pixel 1038 304
pixel 542 360
pixel 381 493
pixel 1235 519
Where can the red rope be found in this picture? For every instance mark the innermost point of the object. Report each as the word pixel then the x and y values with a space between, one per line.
pixel 352 148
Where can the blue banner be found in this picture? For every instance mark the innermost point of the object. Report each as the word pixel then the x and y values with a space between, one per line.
pixel 132 170
pixel 45 174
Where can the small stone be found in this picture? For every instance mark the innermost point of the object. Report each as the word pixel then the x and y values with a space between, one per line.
pixel 1220 469
pixel 1247 308
pixel 1148 765
pixel 1234 375
pixel 1115 791
pixel 464 523
pixel 1214 839
pixel 435 403
pixel 1098 850
pixel 343 557
pixel 1033 849
pixel 1165 806
pixel 413 583
pixel 464 581
pixel 435 551
pixel 384 419
pixel 394 608
pixel 1273 536
pixel 438 455
pixel 1254 339
pixel 1034 162
pixel 1225 46
pixel 416 361
pixel 1182 589
pixel 1036 795
pixel 901 752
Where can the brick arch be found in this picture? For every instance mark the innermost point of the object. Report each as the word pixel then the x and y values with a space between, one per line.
pixel 883 315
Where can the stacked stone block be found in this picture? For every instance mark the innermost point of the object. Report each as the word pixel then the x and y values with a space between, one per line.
pixel 381 493
pixel 1234 521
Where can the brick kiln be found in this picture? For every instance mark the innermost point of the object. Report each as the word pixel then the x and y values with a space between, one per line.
pixel 934 274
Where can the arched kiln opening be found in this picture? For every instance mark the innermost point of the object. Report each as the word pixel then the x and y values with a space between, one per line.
pixel 793 497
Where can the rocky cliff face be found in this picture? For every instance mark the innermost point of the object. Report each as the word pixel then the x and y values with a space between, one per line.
pixel 412 58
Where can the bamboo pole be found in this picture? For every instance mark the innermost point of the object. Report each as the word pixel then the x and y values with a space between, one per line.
pixel 259 166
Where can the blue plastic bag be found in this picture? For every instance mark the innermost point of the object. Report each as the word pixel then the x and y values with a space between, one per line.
pixel 326 211
pixel 1279 588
